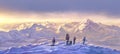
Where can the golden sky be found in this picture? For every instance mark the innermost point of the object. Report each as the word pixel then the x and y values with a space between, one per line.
pixel 17 17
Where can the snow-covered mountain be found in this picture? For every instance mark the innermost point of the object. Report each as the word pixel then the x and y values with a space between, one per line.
pixel 96 33
pixel 60 49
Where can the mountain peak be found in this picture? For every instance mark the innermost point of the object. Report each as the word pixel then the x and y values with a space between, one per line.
pixel 88 21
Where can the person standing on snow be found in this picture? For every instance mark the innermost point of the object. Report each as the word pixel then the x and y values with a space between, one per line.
pixel 67 39
pixel 53 41
pixel 84 40
pixel 74 40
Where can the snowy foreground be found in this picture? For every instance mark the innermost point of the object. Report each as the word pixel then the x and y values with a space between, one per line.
pixel 60 49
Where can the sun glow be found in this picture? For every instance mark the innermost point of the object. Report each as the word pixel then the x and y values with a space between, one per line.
pixel 7 18
pixel 20 18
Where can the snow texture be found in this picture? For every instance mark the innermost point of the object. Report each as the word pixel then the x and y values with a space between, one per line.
pixel 60 49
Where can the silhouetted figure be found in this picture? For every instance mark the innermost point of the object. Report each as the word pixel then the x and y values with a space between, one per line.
pixel 74 40
pixel 70 43
pixel 53 41
pixel 84 40
pixel 67 39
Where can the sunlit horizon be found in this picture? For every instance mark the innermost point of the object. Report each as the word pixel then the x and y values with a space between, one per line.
pixel 14 18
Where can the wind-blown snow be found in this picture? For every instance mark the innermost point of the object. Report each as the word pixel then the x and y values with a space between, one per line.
pixel 60 49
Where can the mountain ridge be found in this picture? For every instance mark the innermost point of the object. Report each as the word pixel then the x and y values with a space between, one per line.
pixel 96 33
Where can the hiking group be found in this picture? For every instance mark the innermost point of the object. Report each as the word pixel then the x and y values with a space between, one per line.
pixel 68 41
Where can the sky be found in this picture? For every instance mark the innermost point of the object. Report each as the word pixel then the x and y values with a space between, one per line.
pixel 15 11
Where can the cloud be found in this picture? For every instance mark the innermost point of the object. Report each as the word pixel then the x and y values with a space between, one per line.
pixel 110 7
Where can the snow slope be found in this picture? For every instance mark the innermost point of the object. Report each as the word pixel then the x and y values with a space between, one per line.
pixel 60 49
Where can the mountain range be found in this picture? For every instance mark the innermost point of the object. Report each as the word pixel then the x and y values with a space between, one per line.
pixel 37 33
